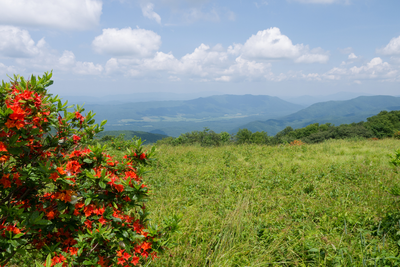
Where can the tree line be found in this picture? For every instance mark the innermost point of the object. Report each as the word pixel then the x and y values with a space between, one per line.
pixel 383 125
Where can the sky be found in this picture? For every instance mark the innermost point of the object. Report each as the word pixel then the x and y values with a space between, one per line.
pixel 268 47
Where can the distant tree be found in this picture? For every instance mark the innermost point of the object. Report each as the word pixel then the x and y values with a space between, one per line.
pixel 243 136
pixel 259 137
pixel 225 137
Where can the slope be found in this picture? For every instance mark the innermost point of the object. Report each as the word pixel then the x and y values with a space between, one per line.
pixel 336 112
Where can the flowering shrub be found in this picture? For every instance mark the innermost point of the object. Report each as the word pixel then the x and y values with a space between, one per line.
pixel 296 143
pixel 397 135
pixel 119 142
pixel 75 204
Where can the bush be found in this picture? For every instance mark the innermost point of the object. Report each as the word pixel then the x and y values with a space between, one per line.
pixel 74 204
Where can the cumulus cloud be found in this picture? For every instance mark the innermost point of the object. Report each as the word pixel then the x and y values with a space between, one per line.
pixel 127 42
pixel 63 14
pixel 352 56
pixel 272 44
pixel 17 43
pixel 148 12
pixel 312 58
pixel 88 68
pixel 67 59
pixel 224 78
pixel 238 61
pixel 374 69
pixel 392 48
pixel 7 69
pixel 249 69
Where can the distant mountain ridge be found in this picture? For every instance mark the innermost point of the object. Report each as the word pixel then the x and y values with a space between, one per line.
pixel 335 112
pixel 219 113
pixel 307 100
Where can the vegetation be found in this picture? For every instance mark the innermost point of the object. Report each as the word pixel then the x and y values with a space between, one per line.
pixel 148 138
pixel 334 112
pixel 385 124
pixel 172 118
pixel 63 201
pixel 335 203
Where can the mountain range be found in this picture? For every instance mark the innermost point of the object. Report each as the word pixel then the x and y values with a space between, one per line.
pixel 219 113
pixel 232 112
pixel 335 112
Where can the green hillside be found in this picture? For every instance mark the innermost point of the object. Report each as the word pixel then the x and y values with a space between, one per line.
pixel 175 117
pixel 330 204
pixel 149 138
pixel 335 112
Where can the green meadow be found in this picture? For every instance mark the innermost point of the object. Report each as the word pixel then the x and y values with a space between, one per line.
pixel 330 204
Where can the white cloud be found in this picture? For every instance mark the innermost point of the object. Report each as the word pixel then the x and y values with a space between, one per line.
pixel 312 58
pixel 64 14
pixel 224 78
pixel 346 50
pixel 249 69
pixel 18 43
pixel 127 42
pixel 352 56
pixel 88 68
pixel 375 69
pixel 217 63
pixel 67 59
pixel 148 12
pixel 67 63
pixel 272 44
pixel 392 48
pixel 7 69
pixel 174 78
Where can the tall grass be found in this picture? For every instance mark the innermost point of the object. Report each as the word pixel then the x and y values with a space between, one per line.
pixel 314 205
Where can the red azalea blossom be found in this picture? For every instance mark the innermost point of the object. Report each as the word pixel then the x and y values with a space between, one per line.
pixel 73 166
pixel 59 196
pixel 78 116
pixel 135 260
pixel 76 138
pixel 2 147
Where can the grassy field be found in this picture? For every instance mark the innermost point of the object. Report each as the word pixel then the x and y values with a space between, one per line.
pixel 329 204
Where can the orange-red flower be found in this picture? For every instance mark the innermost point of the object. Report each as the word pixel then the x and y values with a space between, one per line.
pixel 54 176
pixel 102 262
pixel 50 215
pixel 2 147
pixel 135 260
pixel 5 181
pixel 73 166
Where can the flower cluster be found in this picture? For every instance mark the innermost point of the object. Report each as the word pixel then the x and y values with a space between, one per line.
pixel 396 135
pixel 75 204
pixel 296 143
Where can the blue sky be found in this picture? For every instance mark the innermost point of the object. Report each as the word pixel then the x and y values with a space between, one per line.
pixel 272 47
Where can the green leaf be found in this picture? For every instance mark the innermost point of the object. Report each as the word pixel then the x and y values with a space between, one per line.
pixel 87 201
pixel 102 185
pixel 48 260
pixel 18 235
pixel 88 161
